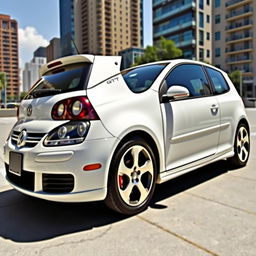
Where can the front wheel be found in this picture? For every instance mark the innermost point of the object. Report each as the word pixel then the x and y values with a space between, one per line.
pixel 132 177
pixel 241 146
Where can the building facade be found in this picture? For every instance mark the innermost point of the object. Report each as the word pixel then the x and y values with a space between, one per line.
pixel 31 72
pixel 106 27
pixel 234 44
pixel 40 52
pixel 67 27
pixel 9 57
pixel 130 55
pixel 53 50
pixel 187 23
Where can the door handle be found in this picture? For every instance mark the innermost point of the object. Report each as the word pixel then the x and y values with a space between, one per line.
pixel 214 109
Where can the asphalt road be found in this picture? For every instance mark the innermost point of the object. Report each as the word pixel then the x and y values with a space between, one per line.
pixel 211 211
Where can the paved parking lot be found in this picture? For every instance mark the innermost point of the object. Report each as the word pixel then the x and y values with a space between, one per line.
pixel 211 211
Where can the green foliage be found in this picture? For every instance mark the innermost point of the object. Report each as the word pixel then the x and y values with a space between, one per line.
pixel 22 95
pixel 235 77
pixel 163 50
pixel 2 80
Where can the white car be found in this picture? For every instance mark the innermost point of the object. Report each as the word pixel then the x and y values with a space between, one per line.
pixel 88 132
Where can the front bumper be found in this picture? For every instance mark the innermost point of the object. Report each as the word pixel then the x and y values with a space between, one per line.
pixel 62 168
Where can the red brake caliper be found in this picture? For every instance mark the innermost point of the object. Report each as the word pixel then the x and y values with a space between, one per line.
pixel 121 181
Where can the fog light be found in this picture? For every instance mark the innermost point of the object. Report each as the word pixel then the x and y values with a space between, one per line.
pixel 77 108
pixel 62 132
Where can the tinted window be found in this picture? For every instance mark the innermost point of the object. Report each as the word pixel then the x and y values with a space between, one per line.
pixel 218 81
pixel 192 77
pixel 140 79
pixel 66 79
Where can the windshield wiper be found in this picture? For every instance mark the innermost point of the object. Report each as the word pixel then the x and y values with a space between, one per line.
pixel 45 92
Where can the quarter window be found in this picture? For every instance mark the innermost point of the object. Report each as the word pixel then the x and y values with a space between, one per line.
pixel 140 79
pixel 192 77
pixel 219 83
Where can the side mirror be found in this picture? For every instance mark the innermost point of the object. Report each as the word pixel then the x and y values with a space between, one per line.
pixel 176 92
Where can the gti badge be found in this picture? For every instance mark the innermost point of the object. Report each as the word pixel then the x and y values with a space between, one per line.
pixel 29 110
pixel 22 138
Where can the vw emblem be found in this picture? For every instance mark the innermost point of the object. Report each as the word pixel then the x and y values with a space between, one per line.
pixel 22 138
pixel 29 110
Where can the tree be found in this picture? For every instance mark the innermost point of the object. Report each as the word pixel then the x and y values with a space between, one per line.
pixel 163 50
pixel 2 80
pixel 235 77
pixel 2 83
pixel 22 95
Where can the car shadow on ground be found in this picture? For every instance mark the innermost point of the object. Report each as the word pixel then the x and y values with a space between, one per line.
pixel 27 219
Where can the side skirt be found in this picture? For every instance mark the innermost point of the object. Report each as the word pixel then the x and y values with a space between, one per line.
pixel 171 174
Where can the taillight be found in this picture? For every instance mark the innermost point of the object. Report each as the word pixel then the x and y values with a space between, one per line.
pixel 76 108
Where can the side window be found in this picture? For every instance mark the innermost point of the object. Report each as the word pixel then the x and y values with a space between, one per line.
pixel 192 77
pixel 219 83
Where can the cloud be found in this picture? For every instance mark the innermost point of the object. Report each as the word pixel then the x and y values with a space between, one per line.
pixel 29 41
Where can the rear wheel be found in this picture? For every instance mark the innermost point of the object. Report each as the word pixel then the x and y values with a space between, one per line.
pixel 132 177
pixel 241 146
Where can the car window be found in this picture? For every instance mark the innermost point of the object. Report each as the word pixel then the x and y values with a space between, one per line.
pixel 141 78
pixel 192 77
pixel 66 79
pixel 218 81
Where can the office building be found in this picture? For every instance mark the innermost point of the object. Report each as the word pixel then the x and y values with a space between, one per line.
pixel 53 50
pixel 129 56
pixel 187 23
pixel 234 32
pixel 9 58
pixel 31 72
pixel 106 27
pixel 67 27
pixel 40 52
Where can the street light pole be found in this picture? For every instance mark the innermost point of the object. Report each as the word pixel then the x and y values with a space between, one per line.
pixel 5 85
pixel 241 83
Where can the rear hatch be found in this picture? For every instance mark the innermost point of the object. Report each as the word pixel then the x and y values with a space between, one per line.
pixel 66 78
pixel 56 84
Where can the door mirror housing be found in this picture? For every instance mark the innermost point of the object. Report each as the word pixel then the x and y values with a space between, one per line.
pixel 176 92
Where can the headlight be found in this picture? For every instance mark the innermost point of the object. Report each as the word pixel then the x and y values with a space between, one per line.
pixel 67 134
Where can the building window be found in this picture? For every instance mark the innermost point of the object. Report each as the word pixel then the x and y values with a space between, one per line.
pixel 217 19
pixel 208 2
pixel 5 24
pixel 207 36
pixel 201 4
pixel 201 20
pixel 217 36
pixel 217 52
pixel 208 19
pixel 217 3
pixel 201 54
pixel 208 54
pixel 201 37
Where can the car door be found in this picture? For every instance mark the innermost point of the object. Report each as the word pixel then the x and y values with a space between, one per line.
pixel 191 125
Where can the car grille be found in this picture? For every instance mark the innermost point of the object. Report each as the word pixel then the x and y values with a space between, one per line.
pixel 58 183
pixel 31 141
pixel 25 181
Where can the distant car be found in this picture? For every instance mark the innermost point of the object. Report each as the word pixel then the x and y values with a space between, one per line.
pixel 88 132
pixel 12 105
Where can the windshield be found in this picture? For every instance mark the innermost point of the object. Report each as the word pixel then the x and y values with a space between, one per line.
pixel 66 79
pixel 141 78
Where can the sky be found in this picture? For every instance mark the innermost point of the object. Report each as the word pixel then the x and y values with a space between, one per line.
pixel 39 22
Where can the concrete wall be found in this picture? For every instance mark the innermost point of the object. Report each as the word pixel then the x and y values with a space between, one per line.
pixel 8 112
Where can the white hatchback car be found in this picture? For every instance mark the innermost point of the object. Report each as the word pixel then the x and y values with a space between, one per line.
pixel 88 132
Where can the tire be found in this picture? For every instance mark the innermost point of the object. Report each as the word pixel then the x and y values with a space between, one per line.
pixel 132 177
pixel 241 147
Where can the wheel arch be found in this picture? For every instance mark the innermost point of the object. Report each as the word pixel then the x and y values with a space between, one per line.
pixel 144 135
